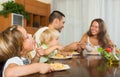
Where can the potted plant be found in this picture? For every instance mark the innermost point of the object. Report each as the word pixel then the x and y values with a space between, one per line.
pixel 12 7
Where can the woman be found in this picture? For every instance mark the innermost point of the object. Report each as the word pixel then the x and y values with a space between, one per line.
pixel 96 36
pixel 15 44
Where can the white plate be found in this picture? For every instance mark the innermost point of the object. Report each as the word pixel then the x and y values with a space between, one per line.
pixel 66 57
pixel 95 54
pixel 66 67
pixel 75 53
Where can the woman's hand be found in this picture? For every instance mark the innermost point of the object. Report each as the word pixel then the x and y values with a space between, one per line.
pixel 71 47
pixel 82 45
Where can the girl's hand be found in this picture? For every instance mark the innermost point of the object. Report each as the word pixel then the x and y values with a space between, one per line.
pixel 44 68
pixel 39 51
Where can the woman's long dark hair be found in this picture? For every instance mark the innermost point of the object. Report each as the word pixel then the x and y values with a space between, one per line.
pixel 102 36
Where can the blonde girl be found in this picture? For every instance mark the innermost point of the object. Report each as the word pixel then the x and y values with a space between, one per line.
pixel 50 43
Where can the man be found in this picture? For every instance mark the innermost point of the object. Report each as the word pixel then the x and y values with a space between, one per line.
pixel 56 21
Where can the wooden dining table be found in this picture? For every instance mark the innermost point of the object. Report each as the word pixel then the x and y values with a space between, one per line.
pixel 84 66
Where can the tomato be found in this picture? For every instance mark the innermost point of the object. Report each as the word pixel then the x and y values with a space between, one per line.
pixel 108 49
pixel 117 50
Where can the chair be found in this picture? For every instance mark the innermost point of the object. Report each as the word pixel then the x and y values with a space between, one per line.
pixel 1 67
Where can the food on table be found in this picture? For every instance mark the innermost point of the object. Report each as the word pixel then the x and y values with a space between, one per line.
pixel 59 66
pixel 59 56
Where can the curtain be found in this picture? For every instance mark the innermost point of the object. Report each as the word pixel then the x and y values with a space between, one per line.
pixel 75 19
pixel 79 14
pixel 110 12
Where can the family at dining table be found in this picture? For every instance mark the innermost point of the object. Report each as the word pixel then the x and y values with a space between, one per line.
pixel 16 44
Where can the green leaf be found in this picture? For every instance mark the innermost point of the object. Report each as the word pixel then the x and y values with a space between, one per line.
pixel 12 7
pixel 100 49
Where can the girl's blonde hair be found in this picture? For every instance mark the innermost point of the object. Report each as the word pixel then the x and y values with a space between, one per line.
pixel 48 35
pixel 11 42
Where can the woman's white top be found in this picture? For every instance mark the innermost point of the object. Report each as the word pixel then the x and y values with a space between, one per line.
pixel 91 49
pixel 16 60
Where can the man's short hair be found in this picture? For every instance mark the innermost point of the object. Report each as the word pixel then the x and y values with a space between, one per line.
pixel 55 14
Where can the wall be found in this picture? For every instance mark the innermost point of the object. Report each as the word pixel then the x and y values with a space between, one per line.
pixel 45 1
pixel 2 1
